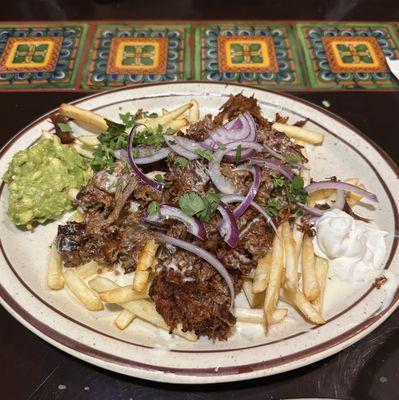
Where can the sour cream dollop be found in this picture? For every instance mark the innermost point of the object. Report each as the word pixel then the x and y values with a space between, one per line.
pixel 355 250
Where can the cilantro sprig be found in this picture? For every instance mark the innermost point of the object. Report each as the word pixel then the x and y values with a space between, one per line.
pixel 203 207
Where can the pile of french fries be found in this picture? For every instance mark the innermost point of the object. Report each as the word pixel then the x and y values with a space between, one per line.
pixel 290 273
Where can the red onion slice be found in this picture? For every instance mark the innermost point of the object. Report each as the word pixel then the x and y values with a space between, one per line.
pixel 143 159
pixel 255 171
pixel 218 179
pixel 235 198
pixel 240 129
pixel 228 228
pixel 205 255
pixel 135 168
pixel 179 149
pixel 275 165
pixel 193 224
pixel 273 152
pixel 338 185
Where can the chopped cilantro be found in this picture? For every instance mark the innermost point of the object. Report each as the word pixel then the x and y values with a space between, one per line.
pixel 114 128
pixel 278 180
pixel 207 154
pixel 274 207
pixel 292 158
pixel 127 119
pixel 238 153
pixel 159 178
pixel 222 147
pixel 153 208
pixel 152 115
pixel 150 137
pixel 202 207
pixel 64 127
pixel 182 161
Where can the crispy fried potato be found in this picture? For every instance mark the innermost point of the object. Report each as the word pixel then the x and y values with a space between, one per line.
pixel 279 315
pixel 87 297
pixel 255 300
pixel 273 287
pixel 81 115
pixel 290 257
pixel 143 267
pixel 255 315
pixel 123 320
pixel 143 309
pixel 306 308
pixel 77 216
pixel 72 193
pixel 165 119
pixel 85 152
pixel 55 280
pixel 295 132
pixel 194 113
pixel 89 140
pixel 353 198
pixel 87 270
pixel 177 124
pixel 321 275
pixel 123 294
pixel 310 285
pixel 262 273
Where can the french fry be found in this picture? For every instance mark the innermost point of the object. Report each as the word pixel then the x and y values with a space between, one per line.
pixel 194 113
pixel 255 315
pixel 86 296
pixel 87 270
pixel 122 295
pixel 47 135
pixel 124 318
pixel 72 193
pixel 306 308
pixel 89 140
pixel 167 118
pixel 143 309
pixel 262 273
pixel 77 216
pixel 321 275
pixel 255 300
pixel 83 151
pixel 278 315
pixel 295 132
pixel 54 271
pixel 310 285
pixel 146 311
pixel 177 124
pixel 291 259
pixel 353 198
pixel 81 115
pixel 273 287
pixel 144 264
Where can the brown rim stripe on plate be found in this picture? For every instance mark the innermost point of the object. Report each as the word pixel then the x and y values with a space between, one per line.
pixel 223 370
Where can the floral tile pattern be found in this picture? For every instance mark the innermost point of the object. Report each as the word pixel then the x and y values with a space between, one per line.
pixel 40 56
pixel 262 54
pixel 349 55
pixel 126 54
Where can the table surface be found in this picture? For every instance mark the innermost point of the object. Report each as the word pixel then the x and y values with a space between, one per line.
pixel 32 369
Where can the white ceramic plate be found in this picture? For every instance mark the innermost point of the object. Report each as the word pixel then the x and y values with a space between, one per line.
pixel 145 352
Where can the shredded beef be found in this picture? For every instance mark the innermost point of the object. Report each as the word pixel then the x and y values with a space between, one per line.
pixel 190 292
pixel 66 137
pixel 200 130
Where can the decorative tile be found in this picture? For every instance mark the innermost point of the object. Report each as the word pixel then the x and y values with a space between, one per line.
pixel 40 56
pixel 349 55
pixel 262 54
pixel 126 54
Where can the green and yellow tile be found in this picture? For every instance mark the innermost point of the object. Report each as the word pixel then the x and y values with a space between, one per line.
pixel 349 55
pixel 40 56
pixel 125 54
pixel 261 54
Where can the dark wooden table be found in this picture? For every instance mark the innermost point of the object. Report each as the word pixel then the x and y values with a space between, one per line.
pixel 32 369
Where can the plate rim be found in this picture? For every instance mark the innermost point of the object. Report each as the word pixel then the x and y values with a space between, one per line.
pixel 337 343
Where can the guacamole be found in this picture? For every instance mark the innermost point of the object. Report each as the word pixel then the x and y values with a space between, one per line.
pixel 39 179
